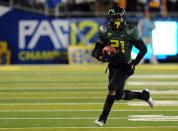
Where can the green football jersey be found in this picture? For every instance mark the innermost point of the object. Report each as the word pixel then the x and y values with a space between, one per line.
pixel 121 40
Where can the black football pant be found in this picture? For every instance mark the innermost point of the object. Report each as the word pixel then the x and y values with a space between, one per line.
pixel 117 78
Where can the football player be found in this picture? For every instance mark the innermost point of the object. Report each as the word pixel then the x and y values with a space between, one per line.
pixel 122 37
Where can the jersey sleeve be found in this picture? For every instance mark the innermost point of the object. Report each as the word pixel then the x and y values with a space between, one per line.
pixel 102 34
pixel 135 33
pixel 139 44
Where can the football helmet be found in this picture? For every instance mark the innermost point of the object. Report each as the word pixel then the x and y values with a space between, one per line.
pixel 117 18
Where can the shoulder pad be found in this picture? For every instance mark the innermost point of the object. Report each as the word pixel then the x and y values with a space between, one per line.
pixel 133 32
pixel 130 29
pixel 102 29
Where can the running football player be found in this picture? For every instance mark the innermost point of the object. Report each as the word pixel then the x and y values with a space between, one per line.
pixel 122 37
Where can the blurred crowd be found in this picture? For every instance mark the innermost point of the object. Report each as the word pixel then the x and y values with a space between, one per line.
pixel 99 6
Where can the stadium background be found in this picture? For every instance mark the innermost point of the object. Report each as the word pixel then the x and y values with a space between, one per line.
pixel 67 92
pixel 36 32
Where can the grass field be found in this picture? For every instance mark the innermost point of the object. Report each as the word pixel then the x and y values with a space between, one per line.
pixel 70 98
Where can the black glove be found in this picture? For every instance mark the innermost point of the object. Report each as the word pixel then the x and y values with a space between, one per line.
pixel 130 69
pixel 105 58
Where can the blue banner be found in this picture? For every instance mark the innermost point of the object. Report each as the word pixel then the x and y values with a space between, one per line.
pixel 33 38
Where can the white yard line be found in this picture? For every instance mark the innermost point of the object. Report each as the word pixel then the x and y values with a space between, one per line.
pixel 51 88
pixel 34 98
pixel 155 92
pixel 56 93
pixel 140 103
pixel 152 118
pixel 131 118
pixel 87 110
pixel 123 127
pixel 157 103
pixel 158 76
pixel 168 95
pixel 152 83
pixel 86 92
pixel 60 118
pixel 85 103
pixel 164 92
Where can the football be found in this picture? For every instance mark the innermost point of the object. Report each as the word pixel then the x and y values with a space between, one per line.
pixel 108 50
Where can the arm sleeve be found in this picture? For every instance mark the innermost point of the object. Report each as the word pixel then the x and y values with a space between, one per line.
pixel 98 49
pixel 102 40
pixel 140 45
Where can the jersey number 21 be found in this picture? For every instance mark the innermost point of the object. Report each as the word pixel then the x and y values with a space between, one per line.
pixel 118 44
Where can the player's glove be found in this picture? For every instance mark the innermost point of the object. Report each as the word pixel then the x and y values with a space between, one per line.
pixel 130 68
pixel 105 58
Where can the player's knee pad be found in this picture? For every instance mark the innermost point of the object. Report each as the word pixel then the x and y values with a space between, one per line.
pixel 112 92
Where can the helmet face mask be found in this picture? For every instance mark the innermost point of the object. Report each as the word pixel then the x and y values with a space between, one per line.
pixel 116 18
pixel 117 23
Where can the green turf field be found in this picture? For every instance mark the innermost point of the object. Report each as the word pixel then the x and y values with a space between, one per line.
pixel 70 98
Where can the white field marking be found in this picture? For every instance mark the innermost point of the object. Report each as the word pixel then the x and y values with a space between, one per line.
pixel 53 93
pixel 134 83
pixel 157 103
pixel 157 76
pixel 160 92
pixel 171 92
pixel 86 92
pixel 99 74
pixel 52 88
pixel 61 98
pixel 20 98
pixel 164 91
pixel 152 83
pixel 148 76
pixel 42 89
pixel 60 118
pixel 145 116
pixel 87 110
pixel 152 118
pixel 16 104
pixel 122 127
